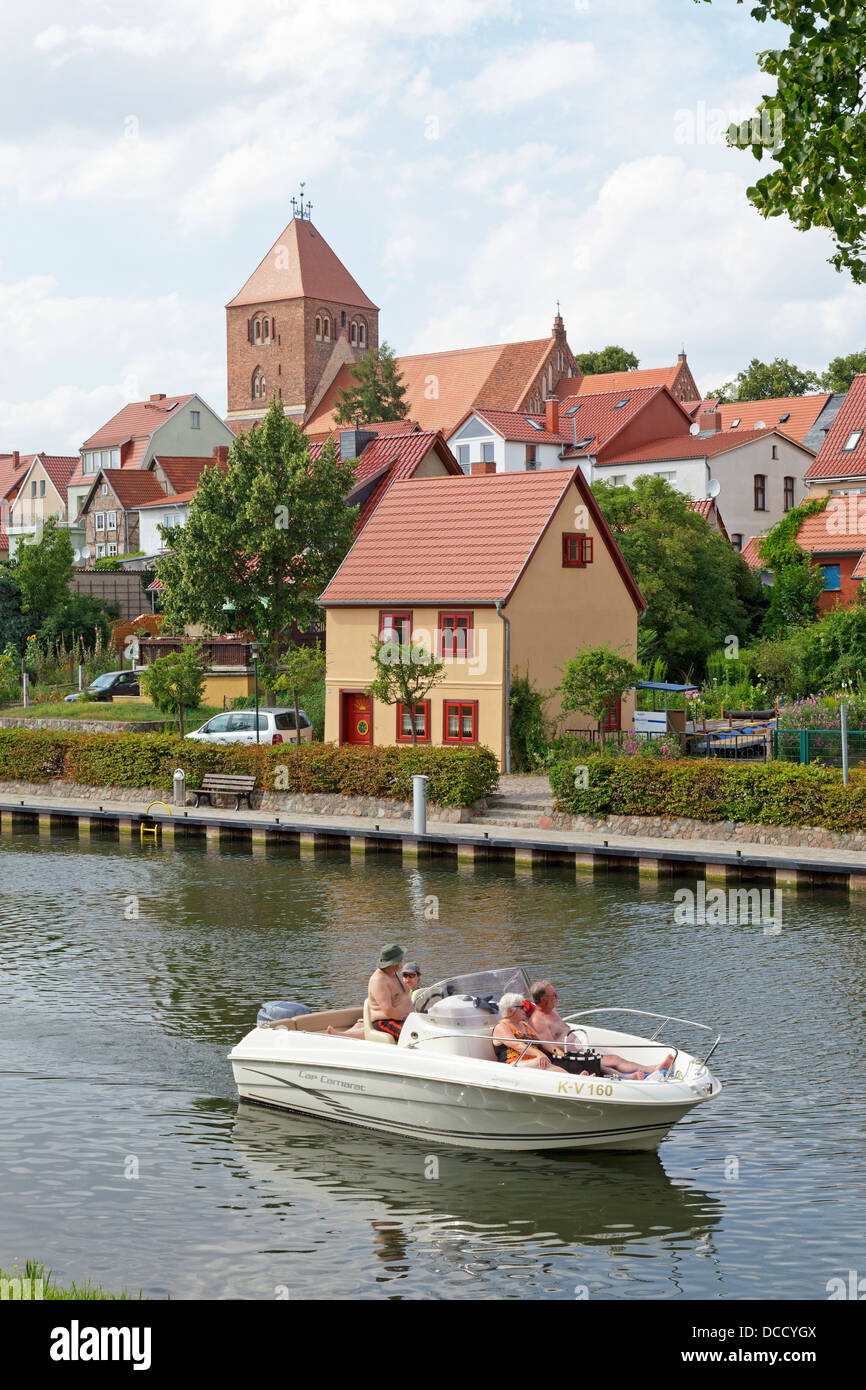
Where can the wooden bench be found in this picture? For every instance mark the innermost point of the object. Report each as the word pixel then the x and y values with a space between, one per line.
pixel 236 786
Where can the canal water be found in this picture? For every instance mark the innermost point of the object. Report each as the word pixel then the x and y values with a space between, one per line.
pixel 126 974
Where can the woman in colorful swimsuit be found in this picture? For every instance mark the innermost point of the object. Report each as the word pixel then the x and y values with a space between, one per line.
pixel 512 1033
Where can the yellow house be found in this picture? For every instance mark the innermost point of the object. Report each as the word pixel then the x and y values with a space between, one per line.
pixel 500 574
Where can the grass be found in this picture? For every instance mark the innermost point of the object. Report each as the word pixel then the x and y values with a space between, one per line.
pixel 122 711
pixel 36 1274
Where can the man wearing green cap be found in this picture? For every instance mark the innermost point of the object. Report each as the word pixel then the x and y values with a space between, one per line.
pixel 389 1000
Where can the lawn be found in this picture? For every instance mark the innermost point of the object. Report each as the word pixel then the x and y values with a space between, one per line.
pixel 121 710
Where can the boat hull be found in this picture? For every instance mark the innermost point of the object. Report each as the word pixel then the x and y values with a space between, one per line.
pixel 472 1104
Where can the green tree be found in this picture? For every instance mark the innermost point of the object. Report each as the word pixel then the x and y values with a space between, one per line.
pixel 698 589
pixel 174 683
pixel 405 674
pixel 797 583
pixel 527 723
pixel 763 381
pixel 813 125
pixel 595 679
pixel 378 391
pixel 44 569
pixel 842 370
pixel 303 668
pixel 15 626
pixel 608 359
pixel 79 617
pixel 262 540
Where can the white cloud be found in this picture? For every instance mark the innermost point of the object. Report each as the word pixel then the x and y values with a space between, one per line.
pixel 531 74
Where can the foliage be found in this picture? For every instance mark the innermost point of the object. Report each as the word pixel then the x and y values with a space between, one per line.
pixel 10 675
pixel 608 359
pixel 457 776
pixel 77 618
pixel 833 651
pixel 698 589
pixel 528 726
pixel 823 712
pixel 815 124
pixel 264 537
pixel 405 674
pixel 762 381
pixel 36 1273
pixel 842 370
pixel 44 570
pixel 378 391
pixel 15 625
pixel 713 790
pixel 303 668
pixel 797 583
pixel 595 679
pixel 175 682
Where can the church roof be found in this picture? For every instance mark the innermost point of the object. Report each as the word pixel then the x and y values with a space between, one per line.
pixel 441 387
pixel 301 265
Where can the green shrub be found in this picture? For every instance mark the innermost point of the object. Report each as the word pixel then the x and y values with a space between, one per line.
pixel 758 794
pixel 457 776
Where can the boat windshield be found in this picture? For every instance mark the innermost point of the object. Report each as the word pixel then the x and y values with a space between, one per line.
pixel 509 979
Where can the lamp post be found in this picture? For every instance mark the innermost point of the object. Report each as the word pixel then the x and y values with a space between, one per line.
pixel 255 649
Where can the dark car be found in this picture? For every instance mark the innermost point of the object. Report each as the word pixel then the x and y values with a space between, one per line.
pixel 107 686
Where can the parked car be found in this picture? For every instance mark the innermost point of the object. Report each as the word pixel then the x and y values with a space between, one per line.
pixel 107 686
pixel 239 726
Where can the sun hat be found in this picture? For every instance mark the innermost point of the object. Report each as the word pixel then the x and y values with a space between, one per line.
pixel 390 955
pixel 410 968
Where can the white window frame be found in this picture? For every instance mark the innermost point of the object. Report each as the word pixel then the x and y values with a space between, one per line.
pixel 112 547
pixel 111 521
pixel 99 521
pixel 100 552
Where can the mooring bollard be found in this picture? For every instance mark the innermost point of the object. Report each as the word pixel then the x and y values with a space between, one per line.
pixel 419 803
pixel 179 787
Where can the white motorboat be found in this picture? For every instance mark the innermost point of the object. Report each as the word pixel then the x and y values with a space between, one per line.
pixel 442 1083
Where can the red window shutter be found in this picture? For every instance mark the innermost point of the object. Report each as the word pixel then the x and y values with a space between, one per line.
pixel 273 328
pixel 249 331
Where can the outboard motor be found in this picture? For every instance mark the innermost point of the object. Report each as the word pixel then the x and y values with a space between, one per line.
pixel 277 1009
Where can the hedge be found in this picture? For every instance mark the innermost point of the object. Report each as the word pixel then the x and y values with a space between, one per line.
pixel 457 776
pixel 754 793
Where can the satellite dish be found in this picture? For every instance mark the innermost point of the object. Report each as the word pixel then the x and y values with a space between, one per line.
pixel 714 487
pixel 760 424
pixel 695 428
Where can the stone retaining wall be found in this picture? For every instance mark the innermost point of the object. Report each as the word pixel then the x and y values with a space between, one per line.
pixel 313 803
pixel 682 828
pixel 89 726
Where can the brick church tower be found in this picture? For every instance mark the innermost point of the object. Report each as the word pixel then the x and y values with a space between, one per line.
pixel 298 319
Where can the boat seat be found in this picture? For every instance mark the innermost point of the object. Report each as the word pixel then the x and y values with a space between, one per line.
pixel 317 1023
pixel 372 1034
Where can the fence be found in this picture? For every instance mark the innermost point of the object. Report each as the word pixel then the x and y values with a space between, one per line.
pixel 748 745
pixel 821 747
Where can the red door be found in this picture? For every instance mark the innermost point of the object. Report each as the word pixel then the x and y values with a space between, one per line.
pixel 357 719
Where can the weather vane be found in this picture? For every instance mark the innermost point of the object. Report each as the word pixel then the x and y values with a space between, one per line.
pixel 299 209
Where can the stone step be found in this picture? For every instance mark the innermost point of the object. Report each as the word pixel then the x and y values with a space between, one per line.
pixel 527 821
pixel 515 803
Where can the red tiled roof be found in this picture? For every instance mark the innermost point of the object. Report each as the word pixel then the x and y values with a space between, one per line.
pixel 463 539
pixel 802 412
pixel 131 487
pixel 59 469
pixel 750 554
pixel 831 461
pixel 441 387
pixel 598 418
pixel 10 476
pixel 707 508
pixel 172 499
pixel 138 420
pixel 684 446
pixel 301 264
pixel 629 381
pixel 4 540
pixel 382 427
pixel 828 531
pixel 514 424
pixel 184 472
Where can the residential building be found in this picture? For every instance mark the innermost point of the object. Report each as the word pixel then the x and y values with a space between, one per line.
pixel 388 458
pixel 498 574
pixel 109 512
pixel 170 425
pixel 40 484
pixel 678 379
pixel 840 465
pixel 805 418
pixel 582 427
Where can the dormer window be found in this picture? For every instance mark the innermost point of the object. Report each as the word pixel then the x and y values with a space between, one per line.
pixel 852 441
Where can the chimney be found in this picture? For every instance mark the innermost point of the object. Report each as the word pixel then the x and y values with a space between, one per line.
pixel 16 458
pixel 354 442
pixel 160 396
pixel 221 453
pixel 710 421
pixel 551 415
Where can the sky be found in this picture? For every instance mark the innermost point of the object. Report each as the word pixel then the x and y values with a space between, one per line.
pixel 470 161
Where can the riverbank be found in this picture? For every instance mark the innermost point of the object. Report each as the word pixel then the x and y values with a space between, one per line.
pixel 36 1284
pixel 584 851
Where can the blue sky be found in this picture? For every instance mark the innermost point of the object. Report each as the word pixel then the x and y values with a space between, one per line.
pixel 469 161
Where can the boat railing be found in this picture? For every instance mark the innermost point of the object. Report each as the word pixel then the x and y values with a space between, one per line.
pixel 647 1013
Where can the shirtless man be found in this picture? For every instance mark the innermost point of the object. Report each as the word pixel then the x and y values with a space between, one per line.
pixel 389 1000
pixel 547 1024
